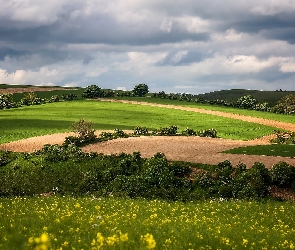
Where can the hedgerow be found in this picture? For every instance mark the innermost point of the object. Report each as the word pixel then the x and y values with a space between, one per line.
pixel 67 170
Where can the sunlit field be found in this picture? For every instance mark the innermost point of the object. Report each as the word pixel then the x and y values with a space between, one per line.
pixel 57 117
pixel 95 223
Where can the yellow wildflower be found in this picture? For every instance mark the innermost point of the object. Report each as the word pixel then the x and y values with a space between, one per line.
pixel 149 240
pixel 123 237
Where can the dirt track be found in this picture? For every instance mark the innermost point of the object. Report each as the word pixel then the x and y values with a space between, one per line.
pixel 181 148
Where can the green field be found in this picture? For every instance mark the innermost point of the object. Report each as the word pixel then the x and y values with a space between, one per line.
pixel 246 112
pixel 94 223
pixel 271 150
pixel 57 117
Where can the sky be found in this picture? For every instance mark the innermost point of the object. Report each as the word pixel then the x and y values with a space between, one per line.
pixel 187 46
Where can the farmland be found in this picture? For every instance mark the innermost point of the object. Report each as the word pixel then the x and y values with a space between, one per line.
pixel 92 221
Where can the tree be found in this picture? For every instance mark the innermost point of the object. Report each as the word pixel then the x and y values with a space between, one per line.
pixel 286 105
pixel 92 91
pixel 140 89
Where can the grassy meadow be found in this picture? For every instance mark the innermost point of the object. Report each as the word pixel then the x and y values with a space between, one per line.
pixel 57 117
pixel 94 223
pixel 89 222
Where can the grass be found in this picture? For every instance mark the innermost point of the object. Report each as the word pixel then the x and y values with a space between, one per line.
pixel 271 150
pixel 85 223
pixel 57 117
pixel 246 112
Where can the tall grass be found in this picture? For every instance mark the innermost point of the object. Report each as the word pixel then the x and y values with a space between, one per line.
pixel 85 223
pixel 57 117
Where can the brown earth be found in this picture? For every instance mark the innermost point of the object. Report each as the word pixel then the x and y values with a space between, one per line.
pixel 180 148
pixel 25 90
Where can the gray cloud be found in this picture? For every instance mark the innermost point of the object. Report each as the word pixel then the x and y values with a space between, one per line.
pixel 188 45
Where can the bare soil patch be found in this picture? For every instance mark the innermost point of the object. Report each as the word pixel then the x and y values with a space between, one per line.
pixel 26 90
pixel 179 148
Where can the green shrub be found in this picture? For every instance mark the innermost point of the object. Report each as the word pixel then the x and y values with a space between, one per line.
pixel 283 175
pixel 54 98
pixel 69 97
pixel 284 137
pixel 253 183
pixel 172 130
pixel 208 133
pixel 118 133
pixel 6 101
pixel 6 157
pixel 286 105
pixel 57 153
pixel 189 132
pixel 140 131
pixel 84 130
pixel 247 102
pixel 179 170
pixel 31 99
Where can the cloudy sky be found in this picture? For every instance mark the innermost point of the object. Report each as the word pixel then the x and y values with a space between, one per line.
pixel 191 46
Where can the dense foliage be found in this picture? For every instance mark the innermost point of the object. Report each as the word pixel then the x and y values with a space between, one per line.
pixel 284 137
pixel 31 98
pixel 140 90
pixel 67 170
pixel 286 105
pixel 6 101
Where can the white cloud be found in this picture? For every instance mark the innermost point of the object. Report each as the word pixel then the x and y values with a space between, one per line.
pixel 96 72
pixel 288 65
pixel 42 77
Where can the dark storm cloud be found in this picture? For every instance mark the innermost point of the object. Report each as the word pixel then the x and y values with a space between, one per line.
pixel 279 27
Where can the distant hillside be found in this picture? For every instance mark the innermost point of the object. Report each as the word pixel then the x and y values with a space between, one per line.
pixel 272 97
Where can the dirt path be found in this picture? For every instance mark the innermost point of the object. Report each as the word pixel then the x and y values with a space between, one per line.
pixel 180 148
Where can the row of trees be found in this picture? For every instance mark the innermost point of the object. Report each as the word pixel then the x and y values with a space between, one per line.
pixel 93 91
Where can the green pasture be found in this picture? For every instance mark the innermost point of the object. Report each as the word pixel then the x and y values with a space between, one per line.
pixel 285 150
pixel 57 117
pixel 246 112
pixel 107 223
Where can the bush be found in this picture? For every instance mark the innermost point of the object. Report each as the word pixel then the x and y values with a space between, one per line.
pixel 118 133
pixel 6 101
pixel 31 99
pixel 253 183
pixel 84 130
pixel 284 137
pixel 6 157
pixel 57 153
pixel 140 131
pixel 208 133
pixel 172 130
pixel 246 102
pixel 54 98
pixel 286 105
pixel 69 97
pixel 189 132
pixel 282 175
